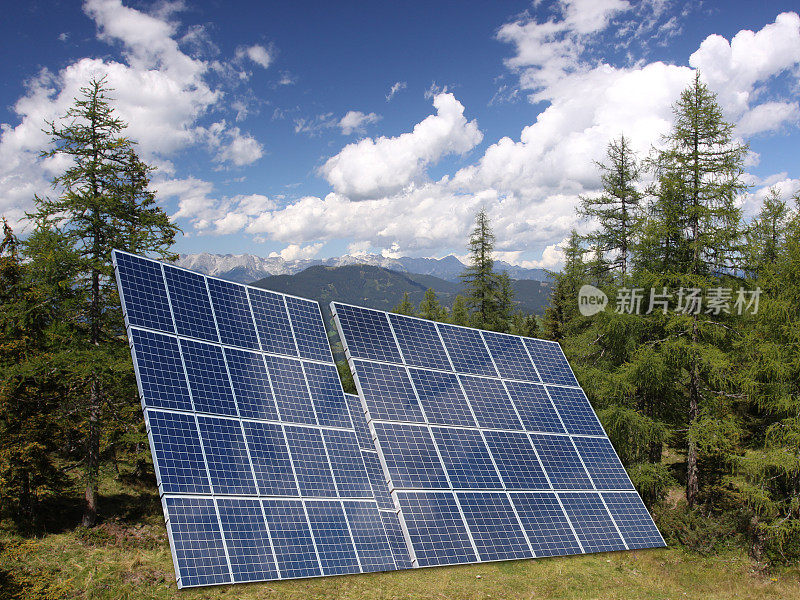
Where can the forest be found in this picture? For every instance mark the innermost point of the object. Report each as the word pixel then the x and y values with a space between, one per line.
pixel 693 367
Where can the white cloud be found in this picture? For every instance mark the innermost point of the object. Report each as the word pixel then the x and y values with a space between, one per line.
pixel 768 116
pixel 256 53
pixel 296 251
pixel 377 167
pixel 396 87
pixel 356 121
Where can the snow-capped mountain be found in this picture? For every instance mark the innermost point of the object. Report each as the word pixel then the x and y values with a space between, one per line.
pixel 246 268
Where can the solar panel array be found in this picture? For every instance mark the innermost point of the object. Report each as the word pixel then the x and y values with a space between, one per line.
pixel 266 469
pixel 490 448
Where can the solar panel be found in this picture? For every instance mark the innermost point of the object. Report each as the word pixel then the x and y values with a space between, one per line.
pixel 260 468
pixel 490 448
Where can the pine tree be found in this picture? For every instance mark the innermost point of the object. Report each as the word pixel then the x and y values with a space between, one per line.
pixel 405 307
pixel 430 308
pixel 617 208
pixel 479 279
pixel 103 203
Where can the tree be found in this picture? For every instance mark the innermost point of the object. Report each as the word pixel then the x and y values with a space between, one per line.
pixel 430 308
pixel 479 279
pixel 405 307
pixel 103 203
pixel 766 233
pixel 616 210
pixel 563 307
pixel 505 303
pixel 460 313
pixel 524 325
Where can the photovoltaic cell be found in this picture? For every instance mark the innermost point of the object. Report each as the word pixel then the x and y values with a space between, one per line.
pixel 332 537
pixel 146 302
pixel 272 322
pixel 348 468
pixel 397 543
pixel 441 397
pixel 251 384
pixel 494 526
pixel 466 458
pixel 309 329
pixel 467 350
pixel 291 391
pixel 633 520
pixel 561 462
pixel 270 455
pixel 291 538
pixel 602 463
pixel 359 422
pixel 160 370
pixel 208 378
pixel 546 524
pixel 591 521
pixel 369 536
pixel 411 456
pixel 534 407
pixel 326 394
pixel 420 343
pixel 380 488
pixel 388 393
pixel 190 304
pixel 234 320
pixel 177 453
pixel 226 455
pixel 490 403
pixel 367 333
pixel 437 531
pixel 197 541
pixel 310 461
pixel 575 411
pixel 510 356
pixel 247 540
pixel 516 460
pixel 550 362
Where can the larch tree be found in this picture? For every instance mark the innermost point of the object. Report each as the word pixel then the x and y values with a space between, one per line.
pixel 430 308
pixel 479 278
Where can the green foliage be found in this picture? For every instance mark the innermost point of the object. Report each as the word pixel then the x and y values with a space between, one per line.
pixel 460 313
pixel 346 377
pixel 480 281
pixel 405 307
pixel 430 308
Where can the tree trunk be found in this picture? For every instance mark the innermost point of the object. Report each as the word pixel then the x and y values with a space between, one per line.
pixel 692 482
pixel 92 457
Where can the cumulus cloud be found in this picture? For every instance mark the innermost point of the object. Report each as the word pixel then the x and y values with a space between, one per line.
pixel 256 53
pixel 356 121
pixel 377 167
pixel 296 251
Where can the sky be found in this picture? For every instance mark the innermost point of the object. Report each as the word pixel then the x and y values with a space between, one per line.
pixel 316 129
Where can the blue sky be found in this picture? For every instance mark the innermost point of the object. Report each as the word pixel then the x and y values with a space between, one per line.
pixel 318 129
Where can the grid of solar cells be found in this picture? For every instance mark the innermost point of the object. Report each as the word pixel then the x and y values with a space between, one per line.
pixel 369 536
pixel 348 468
pixel 441 397
pixel 490 403
pixel 332 538
pixel 546 524
pixel 467 350
pixel 516 460
pixel 534 407
pixel 633 520
pixel 326 395
pixel 310 460
pixel 387 391
pixel 550 362
pixel 359 422
pixel 226 456
pixel 272 322
pixel 234 320
pixel 291 391
pixel 591 521
pixel 494 526
pixel 575 411
pixel 146 299
pixel 247 540
pixel 420 343
pixel 158 358
pixel 510 356
pixel 397 543
pixel 367 332
pixel 251 384
pixel 380 489
pixel 561 463
pixel 208 378
pixel 437 531
pixel 179 458
pixel 410 456
pixel 309 329
pixel 190 304
pixel 466 458
pixel 602 463
pixel 291 538
pixel 269 454
pixel 197 541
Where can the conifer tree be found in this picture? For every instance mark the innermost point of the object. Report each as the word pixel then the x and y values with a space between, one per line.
pixel 505 303
pixel 563 307
pixel 479 278
pixel 430 308
pixel 766 233
pixel 460 313
pixel 405 307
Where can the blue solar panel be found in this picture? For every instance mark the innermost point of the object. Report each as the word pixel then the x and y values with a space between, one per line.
pixel 251 384
pixel 534 407
pixel 397 543
pixel 177 454
pixel 367 333
pixel 420 342
pixel 437 531
pixel 161 376
pixel 332 537
pixel 226 456
pixel 190 304
pixel 490 403
pixel 291 391
pixel 359 422
pixel 410 456
pixel 546 524
pixel 326 394
pixel 550 362
pixel 348 468
pixel 197 541
pixel 310 460
pixel 561 462
pixel 309 329
pixel 208 378
pixel 388 393
pixel 441 397
pixel 372 546
pixel 591 522
pixel 145 294
pixel 633 520
pixel 510 356
pixel 232 309
pixel 467 350
pixel 270 456
pixel 516 460
pixel 291 538
pixel 272 322
pixel 602 463
pixel 466 458
pixel 380 488
pixel 575 411
pixel 494 526
pixel 247 540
